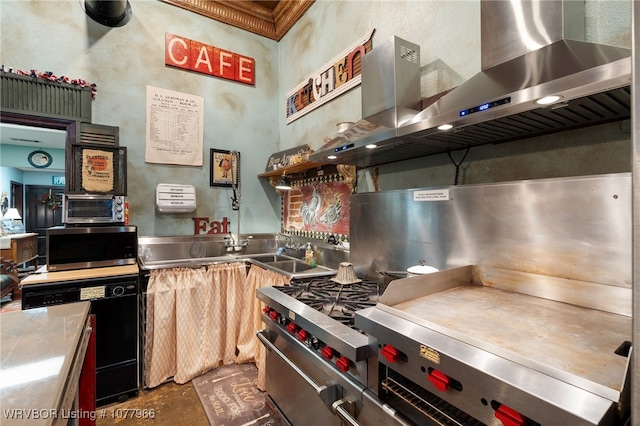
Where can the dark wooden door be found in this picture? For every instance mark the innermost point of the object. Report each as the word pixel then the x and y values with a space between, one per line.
pixel 39 217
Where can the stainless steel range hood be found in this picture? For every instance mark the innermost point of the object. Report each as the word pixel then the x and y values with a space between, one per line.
pixel 530 50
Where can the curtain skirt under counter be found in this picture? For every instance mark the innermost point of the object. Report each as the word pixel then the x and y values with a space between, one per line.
pixel 198 319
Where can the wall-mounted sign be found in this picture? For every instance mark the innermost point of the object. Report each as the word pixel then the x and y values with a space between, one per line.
pixel 288 157
pixel 317 207
pixel 202 225
pixel 336 77
pixel 202 58
pixel 175 123
pixel 57 180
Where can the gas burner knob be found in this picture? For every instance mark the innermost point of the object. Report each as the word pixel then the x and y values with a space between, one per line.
pixel 302 335
pixel 327 353
pixel 391 353
pixel 509 417
pixel 441 381
pixel 266 310
pixel 292 327
pixel 274 315
pixel 343 364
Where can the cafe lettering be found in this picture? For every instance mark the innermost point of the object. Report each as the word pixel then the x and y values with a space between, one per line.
pixel 202 58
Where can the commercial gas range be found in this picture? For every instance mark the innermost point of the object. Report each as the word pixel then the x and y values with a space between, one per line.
pixel 466 346
pixel 318 364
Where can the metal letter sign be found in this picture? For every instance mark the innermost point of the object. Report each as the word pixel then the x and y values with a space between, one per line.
pixel 336 77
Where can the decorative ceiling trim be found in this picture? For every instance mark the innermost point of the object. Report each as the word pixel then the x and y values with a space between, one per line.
pixel 249 16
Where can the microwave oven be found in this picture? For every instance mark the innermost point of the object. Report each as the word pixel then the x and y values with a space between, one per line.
pixel 88 209
pixel 79 247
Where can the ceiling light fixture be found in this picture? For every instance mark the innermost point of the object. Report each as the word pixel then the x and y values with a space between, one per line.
pixel 445 126
pixel 548 100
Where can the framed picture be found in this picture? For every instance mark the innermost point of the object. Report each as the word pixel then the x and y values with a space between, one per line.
pixel 225 168
pixel 98 169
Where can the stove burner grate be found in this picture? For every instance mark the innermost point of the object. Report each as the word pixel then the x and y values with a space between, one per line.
pixel 339 301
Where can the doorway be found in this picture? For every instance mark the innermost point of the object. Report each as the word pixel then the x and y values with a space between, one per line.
pixel 16 197
pixel 39 216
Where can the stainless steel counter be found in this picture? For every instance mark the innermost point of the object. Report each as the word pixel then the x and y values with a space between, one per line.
pixel 41 354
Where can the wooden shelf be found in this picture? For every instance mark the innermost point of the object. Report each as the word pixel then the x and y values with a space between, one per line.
pixel 290 170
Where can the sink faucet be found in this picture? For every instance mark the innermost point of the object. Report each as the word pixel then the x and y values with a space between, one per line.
pixel 231 244
pixel 289 241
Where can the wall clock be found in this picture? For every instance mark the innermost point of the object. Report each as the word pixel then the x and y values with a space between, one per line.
pixel 40 159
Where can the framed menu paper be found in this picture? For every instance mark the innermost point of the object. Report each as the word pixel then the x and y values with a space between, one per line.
pixel 174 127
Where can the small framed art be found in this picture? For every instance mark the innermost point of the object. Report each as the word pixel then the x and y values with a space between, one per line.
pixel 225 168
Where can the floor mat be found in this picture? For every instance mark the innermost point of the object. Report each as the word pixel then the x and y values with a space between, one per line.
pixel 230 397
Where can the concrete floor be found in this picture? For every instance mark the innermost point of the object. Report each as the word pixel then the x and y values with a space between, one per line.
pixel 170 404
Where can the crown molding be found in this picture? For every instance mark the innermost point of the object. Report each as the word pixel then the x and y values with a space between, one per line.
pixel 248 15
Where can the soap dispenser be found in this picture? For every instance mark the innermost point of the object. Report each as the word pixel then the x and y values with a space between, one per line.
pixel 308 256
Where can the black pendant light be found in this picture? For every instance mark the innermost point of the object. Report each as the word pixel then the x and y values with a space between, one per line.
pixel 112 13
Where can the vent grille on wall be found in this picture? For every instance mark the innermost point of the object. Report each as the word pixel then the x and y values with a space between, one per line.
pixel 99 134
pixel 409 54
pixel 26 95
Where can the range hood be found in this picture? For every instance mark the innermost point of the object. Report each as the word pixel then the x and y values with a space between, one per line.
pixel 530 50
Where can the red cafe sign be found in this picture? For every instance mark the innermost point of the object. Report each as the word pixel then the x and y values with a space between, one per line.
pixel 202 58
pixel 339 75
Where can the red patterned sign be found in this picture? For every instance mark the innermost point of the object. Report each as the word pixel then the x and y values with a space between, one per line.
pixel 182 52
pixel 317 206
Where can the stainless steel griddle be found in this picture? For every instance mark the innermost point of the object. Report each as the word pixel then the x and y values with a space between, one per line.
pixel 530 350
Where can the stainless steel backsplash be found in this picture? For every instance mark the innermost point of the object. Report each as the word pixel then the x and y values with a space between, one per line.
pixel 574 228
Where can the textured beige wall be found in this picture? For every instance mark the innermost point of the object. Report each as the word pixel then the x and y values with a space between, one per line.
pixel 58 36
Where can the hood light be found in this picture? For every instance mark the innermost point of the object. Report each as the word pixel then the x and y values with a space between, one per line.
pixel 445 127
pixel 283 183
pixel 371 146
pixel 548 100
pixel 332 157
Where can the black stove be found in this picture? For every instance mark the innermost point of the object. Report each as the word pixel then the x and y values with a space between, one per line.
pixel 336 300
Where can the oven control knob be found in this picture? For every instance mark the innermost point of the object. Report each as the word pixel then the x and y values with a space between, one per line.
pixel 266 310
pixel 327 353
pixel 441 381
pixel 343 364
pixel 390 353
pixel 274 315
pixel 291 327
pixel 509 417
pixel 302 335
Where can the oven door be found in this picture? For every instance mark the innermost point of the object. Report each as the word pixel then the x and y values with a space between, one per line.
pixel 304 390
pixel 301 391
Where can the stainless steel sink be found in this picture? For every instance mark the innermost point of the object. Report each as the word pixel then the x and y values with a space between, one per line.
pixel 290 266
